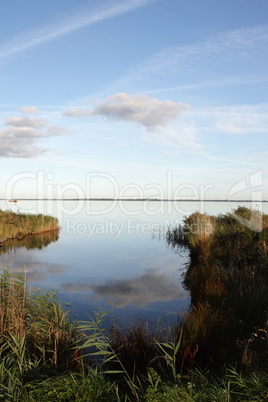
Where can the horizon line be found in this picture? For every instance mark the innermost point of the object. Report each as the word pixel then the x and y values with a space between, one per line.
pixel 129 199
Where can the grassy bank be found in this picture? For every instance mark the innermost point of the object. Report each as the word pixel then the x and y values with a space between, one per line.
pixel 17 225
pixel 228 280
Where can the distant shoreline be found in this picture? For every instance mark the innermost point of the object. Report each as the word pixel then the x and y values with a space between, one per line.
pixel 130 199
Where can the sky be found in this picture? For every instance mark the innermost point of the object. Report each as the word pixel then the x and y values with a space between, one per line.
pixel 134 98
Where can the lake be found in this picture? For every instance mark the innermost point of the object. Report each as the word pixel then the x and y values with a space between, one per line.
pixel 110 255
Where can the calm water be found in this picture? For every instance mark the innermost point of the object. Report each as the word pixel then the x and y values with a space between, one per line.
pixel 110 255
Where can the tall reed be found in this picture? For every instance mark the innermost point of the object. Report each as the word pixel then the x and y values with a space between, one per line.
pixel 37 319
pixel 17 224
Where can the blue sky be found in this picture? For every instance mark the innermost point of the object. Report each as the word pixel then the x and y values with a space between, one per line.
pixel 142 98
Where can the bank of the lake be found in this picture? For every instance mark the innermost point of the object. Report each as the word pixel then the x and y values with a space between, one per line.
pixel 16 225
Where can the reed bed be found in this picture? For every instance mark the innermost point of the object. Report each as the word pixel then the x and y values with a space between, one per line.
pixel 17 224
pixel 37 319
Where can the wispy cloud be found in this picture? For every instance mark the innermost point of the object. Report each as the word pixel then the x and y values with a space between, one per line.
pixel 215 59
pixel 243 125
pixel 79 20
pixel 235 161
pixel 241 128
pixel 237 119
pixel 224 82
pixel 235 45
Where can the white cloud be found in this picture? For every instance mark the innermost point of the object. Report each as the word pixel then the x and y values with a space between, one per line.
pixel 13 146
pixel 77 21
pixel 20 132
pixel 19 139
pixel 26 122
pixel 30 109
pixel 150 112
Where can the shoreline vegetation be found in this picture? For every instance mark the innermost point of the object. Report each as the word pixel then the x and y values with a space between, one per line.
pixel 218 351
pixel 227 277
pixel 17 225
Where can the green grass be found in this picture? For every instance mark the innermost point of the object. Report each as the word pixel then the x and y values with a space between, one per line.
pixel 18 225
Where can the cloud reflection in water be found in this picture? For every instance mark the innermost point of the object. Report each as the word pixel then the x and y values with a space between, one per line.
pixel 150 287
pixel 19 255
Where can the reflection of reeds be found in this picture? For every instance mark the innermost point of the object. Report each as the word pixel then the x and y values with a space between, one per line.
pixel 18 224
pixel 39 241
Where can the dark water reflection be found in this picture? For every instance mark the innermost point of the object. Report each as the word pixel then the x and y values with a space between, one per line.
pixel 29 242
